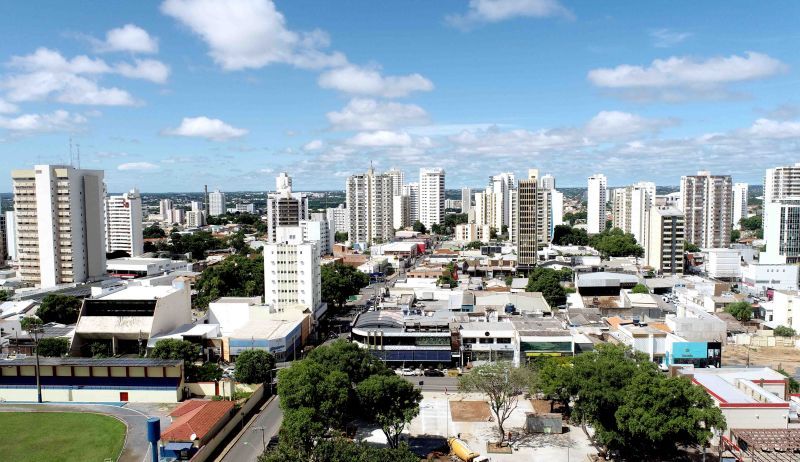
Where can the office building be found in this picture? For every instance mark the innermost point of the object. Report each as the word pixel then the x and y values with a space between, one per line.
pixel 370 204
pixel 165 209
pixel 739 204
pixel 665 242
pixel 781 216
pixel 60 223
pixel 216 203
pixel 707 209
pixel 292 273
pixel 466 200
pixel 530 227
pixel 431 196
pixel 398 180
pixel 596 206
pixel 412 191
pixel 284 207
pixel 630 207
pixel 124 223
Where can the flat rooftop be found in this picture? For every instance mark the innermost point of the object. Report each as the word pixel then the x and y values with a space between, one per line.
pixel 139 293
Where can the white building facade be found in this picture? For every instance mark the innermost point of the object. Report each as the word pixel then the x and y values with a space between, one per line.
pixel 124 223
pixel 216 203
pixel 596 205
pixel 431 196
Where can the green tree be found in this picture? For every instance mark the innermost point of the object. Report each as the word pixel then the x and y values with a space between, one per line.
pixel 735 235
pixel 567 235
pixel 419 227
pixel 5 295
pixel 237 243
pixel 358 364
pixel 689 247
pixel 340 236
pixel 502 383
pixel 616 243
pixel 640 289
pixel 571 218
pixel 553 378
pixel 153 232
pixel 198 244
pixel 753 223
pixel 492 234
pixel 171 348
pixel 206 372
pixel 99 349
pixel 784 331
pixel 63 309
pixel 548 282
pixel 254 366
pixel 742 311
pixel 451 220
pixel 658 415
pixel 391 401
pixel 236 276
pixel 340 450
pixel 794 385
pixel 340 281
pixel 474 245
pixel 53 346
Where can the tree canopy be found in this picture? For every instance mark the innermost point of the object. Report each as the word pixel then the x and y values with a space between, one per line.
pixel 548 282
pixel 153 232
pixel 571 218
pixel 53 346
pixel 640 289
pixel 171 348
pixel 236 276
pixel 742 311
pixel 340 281
pixel 63 309
pixel 616 243
pixel 689 247
pixel 5 295
pixel 254 366
pixel 196 243
pixel 392 401
pixel 784 331
pixel 340 450
pixel 419 227
pixel 567 235
pixel 340 236
pixel 474 245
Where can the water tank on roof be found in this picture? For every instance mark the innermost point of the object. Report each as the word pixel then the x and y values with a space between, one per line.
pixel 510 308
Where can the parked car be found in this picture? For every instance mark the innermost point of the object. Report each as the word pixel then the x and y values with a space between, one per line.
pixel 433 373
pixel 408 372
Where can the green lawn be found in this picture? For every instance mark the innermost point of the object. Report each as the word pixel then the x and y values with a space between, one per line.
pixel 59 437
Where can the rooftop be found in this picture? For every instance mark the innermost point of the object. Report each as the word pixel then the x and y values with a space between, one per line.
pixel 196 417
pixel 111 362
pixel 139 293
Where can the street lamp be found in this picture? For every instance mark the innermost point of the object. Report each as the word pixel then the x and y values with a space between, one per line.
pixel 35 330
pixel 263 439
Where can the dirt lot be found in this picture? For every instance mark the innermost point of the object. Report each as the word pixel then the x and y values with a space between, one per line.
pixel 542 406
pixel 774 357
pixel 470 411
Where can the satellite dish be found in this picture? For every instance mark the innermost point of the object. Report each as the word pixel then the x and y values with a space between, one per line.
pixel 193 436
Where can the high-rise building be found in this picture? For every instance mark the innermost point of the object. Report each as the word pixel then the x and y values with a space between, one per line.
pixel 500 187
pixel 412 191
pixel 124 223
pixel 3 238
pixel 781 216
pixel 739 204
pixel 284 207
pixel 665 243
pixel 470 232
pixel 318 230
pixel 11 235
pixel 707 209
pixel 398 180
pixel 431 196
pixel 596 204
pixel 556 210
pixel 630 207
pixel 60 223
pixel 292 273
pixel 165 209
pixel 216 203
pixel 338 219
pixel 197 206
pixel 531 220
pixel 370 204
pixel 400 212
pixel 484 208
pixel 195 219
pixel 178 216
pixel 466 200
pixel 548 182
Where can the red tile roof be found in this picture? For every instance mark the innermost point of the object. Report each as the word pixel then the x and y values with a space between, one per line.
pixel 195 416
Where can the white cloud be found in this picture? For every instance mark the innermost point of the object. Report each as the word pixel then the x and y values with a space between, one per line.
pixel 129 37
pixel 137 166
pixel 483 11
pixel 665 38
pixel 244 34
pixel 677 77
pixel 7 108
pixel 360 80
pixel 313 145
pixel 204 127
pixel 147 69
pixel 56 121
pixel 766 128
pixel 380 138
pixel 612 124
pixel 369 114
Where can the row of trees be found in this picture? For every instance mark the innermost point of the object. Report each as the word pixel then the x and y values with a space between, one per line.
pixel 339 281
pixel 610 243
pixel 332 386
pixel 236 276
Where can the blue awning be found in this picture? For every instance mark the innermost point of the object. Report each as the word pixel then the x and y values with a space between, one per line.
pixel 178 446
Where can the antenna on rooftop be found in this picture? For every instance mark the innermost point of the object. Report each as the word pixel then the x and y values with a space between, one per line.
pixel 78 155
pixel 71 157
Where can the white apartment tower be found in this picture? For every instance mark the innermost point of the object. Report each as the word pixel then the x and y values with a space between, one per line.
pixel 596 207
pixel 466 200
pixel 781 219
pixel 500 187
pixel 548 181
pixel 412 191
pixel 292 272
pixel 124 223
pixel 739 204
pixel 60 222
pixel 707 209
pixel 216 203
pixel 370 206
pixel 400 212
pixel 431 196
pixel 284 207
pixel 338 219
pixel 631 205
pixel 398 180
pixel 165 209
pixel 665 243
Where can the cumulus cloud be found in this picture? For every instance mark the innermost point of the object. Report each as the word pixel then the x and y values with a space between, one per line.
pixel 369 114
pixel 491 11
pixel 204 127
pixel 7 108
pixel 776 129
pixel 129 37
pixel 244 34
pixel 47 75
pixel 313 145
pixel 56 121
pixel 612 124
pixel 137 166
pixel 665 38
pixel 380 138
pixel 677 77
pixel 358 80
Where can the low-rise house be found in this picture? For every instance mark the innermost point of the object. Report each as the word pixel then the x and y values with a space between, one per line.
pixel 194 423
pixel 603 283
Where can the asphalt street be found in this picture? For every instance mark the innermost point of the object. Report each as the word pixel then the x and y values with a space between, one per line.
pixel 257 433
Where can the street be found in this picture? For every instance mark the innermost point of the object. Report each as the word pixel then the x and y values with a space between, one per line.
pixel 257 433
pixel 449 384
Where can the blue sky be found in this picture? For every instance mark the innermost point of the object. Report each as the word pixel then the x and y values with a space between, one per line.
pixel 172 95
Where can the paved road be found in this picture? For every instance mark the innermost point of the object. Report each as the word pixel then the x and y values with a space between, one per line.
pixel 136 446
pixel 251 445
pixel 435 383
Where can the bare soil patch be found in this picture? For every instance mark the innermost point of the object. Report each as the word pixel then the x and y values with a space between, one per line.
pixel 470 411
pixel 774 357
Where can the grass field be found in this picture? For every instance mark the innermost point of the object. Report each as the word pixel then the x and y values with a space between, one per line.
pixel 59 437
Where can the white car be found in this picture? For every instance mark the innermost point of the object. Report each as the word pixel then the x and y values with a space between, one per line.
pixel 408 372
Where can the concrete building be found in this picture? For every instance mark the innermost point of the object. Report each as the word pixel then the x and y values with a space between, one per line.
pixel 124 223
pixel 292 273
pixel 466 200
pixel 783 309
pixel 412 191
pixel 548 182
pixel 11 244
pixel 398 180
pixel 723 264
pixel 245 208
pixel 665 244
pixel 530 224
pixel 165 209
pixel 400 212
pixel 631 206
pixel 500 187
pixel 470 232
pixel 284 207
pixel 216 203
pixel 758 278
pixel 137 267
pixel 596 205
pixel 178 216
pixel 338 218
pixel 781 216
pixel 3 238
pixel 60 222
pixel 739 204
pixel 431 196
pixel 484 209
pixel 195 219
pixel 707 209
pixel 369 203
pixel 556 209
pixel 318 231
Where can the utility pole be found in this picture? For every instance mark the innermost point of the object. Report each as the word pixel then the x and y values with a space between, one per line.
pixel 35 330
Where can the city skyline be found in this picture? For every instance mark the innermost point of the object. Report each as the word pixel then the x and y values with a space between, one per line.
pixel 155 92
